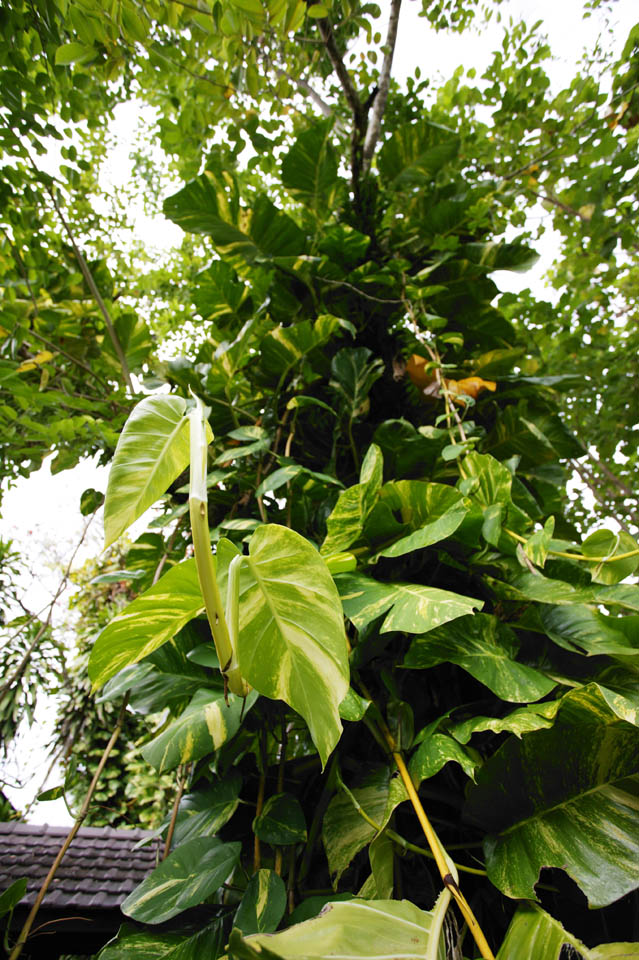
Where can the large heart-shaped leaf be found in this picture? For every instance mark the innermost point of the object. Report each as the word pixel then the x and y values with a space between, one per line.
pixel 432 510
pixel 415 153
pixel 152 451
pixel 292 644
pixel 148 622
pixel 134 944
pixel 309 169
pixel 282 821
pixel 358 929
pixel 413 607
pixel 534 933
pixel 203 812
pixel 485 648
pixel 187 877
pixel 204 726
pixel 581 629
pixel 565 797
pixel 209 205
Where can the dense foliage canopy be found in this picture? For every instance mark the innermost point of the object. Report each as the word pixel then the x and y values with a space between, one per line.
pixel 367 635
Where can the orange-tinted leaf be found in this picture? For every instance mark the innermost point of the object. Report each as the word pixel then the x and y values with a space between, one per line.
pixel 470 386
pixel 36 361
pixel 416 370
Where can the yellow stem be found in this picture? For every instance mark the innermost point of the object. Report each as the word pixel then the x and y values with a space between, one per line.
pixel 434 844
pixel 432 838
pixel 578 556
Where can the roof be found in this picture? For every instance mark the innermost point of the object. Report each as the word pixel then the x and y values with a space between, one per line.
pixel 98 871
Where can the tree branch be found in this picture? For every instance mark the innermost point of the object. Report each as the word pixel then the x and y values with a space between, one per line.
pixel 306 88
pixel 352 97
pixel 375 123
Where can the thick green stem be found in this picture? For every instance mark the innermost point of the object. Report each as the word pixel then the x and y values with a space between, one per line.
pixel 198 511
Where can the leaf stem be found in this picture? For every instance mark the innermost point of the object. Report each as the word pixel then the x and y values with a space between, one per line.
pixel 396 837
pixel 578 556
pixel 198 511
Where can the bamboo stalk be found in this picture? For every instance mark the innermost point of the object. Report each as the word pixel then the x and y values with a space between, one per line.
pixel 79 820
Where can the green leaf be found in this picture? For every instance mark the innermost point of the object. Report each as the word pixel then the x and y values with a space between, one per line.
pixel 187 877
pixel 493 480
pixel 204 726
pixel 358 929
pixel 535 716
pixel 415 153
pixel 536 547
pixel 286 346
pixel 485 648
pixel 620 689
pixel 534 933
pixel 210 205
pixel 152 451
pixel 346 522
pixel 345 831
pixel 432 510
pixel 353 707
pixel 206 810
pixel 581 629
pixel 565 797
pixel 74 53
pixel 14 893
pixel 492 521
pixel 133 944
pixel 605 543
pixel 381 854
pixel 90 501
pixel 52 794
pixel 263 904
pixel 435 752
pixel 148 622
pixel 500 255
pixel 413 607
pixel 534 586
pixel 352 376
pixel 118 576
pixel 292 644
pixel 281 822
pixel 309 169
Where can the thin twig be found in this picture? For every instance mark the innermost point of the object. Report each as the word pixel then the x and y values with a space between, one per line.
pixel 15 676
pixel 362 293
pixel 599 497
pixel 174 812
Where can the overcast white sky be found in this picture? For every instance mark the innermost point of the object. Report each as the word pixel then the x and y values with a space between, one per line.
pixel 42 515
